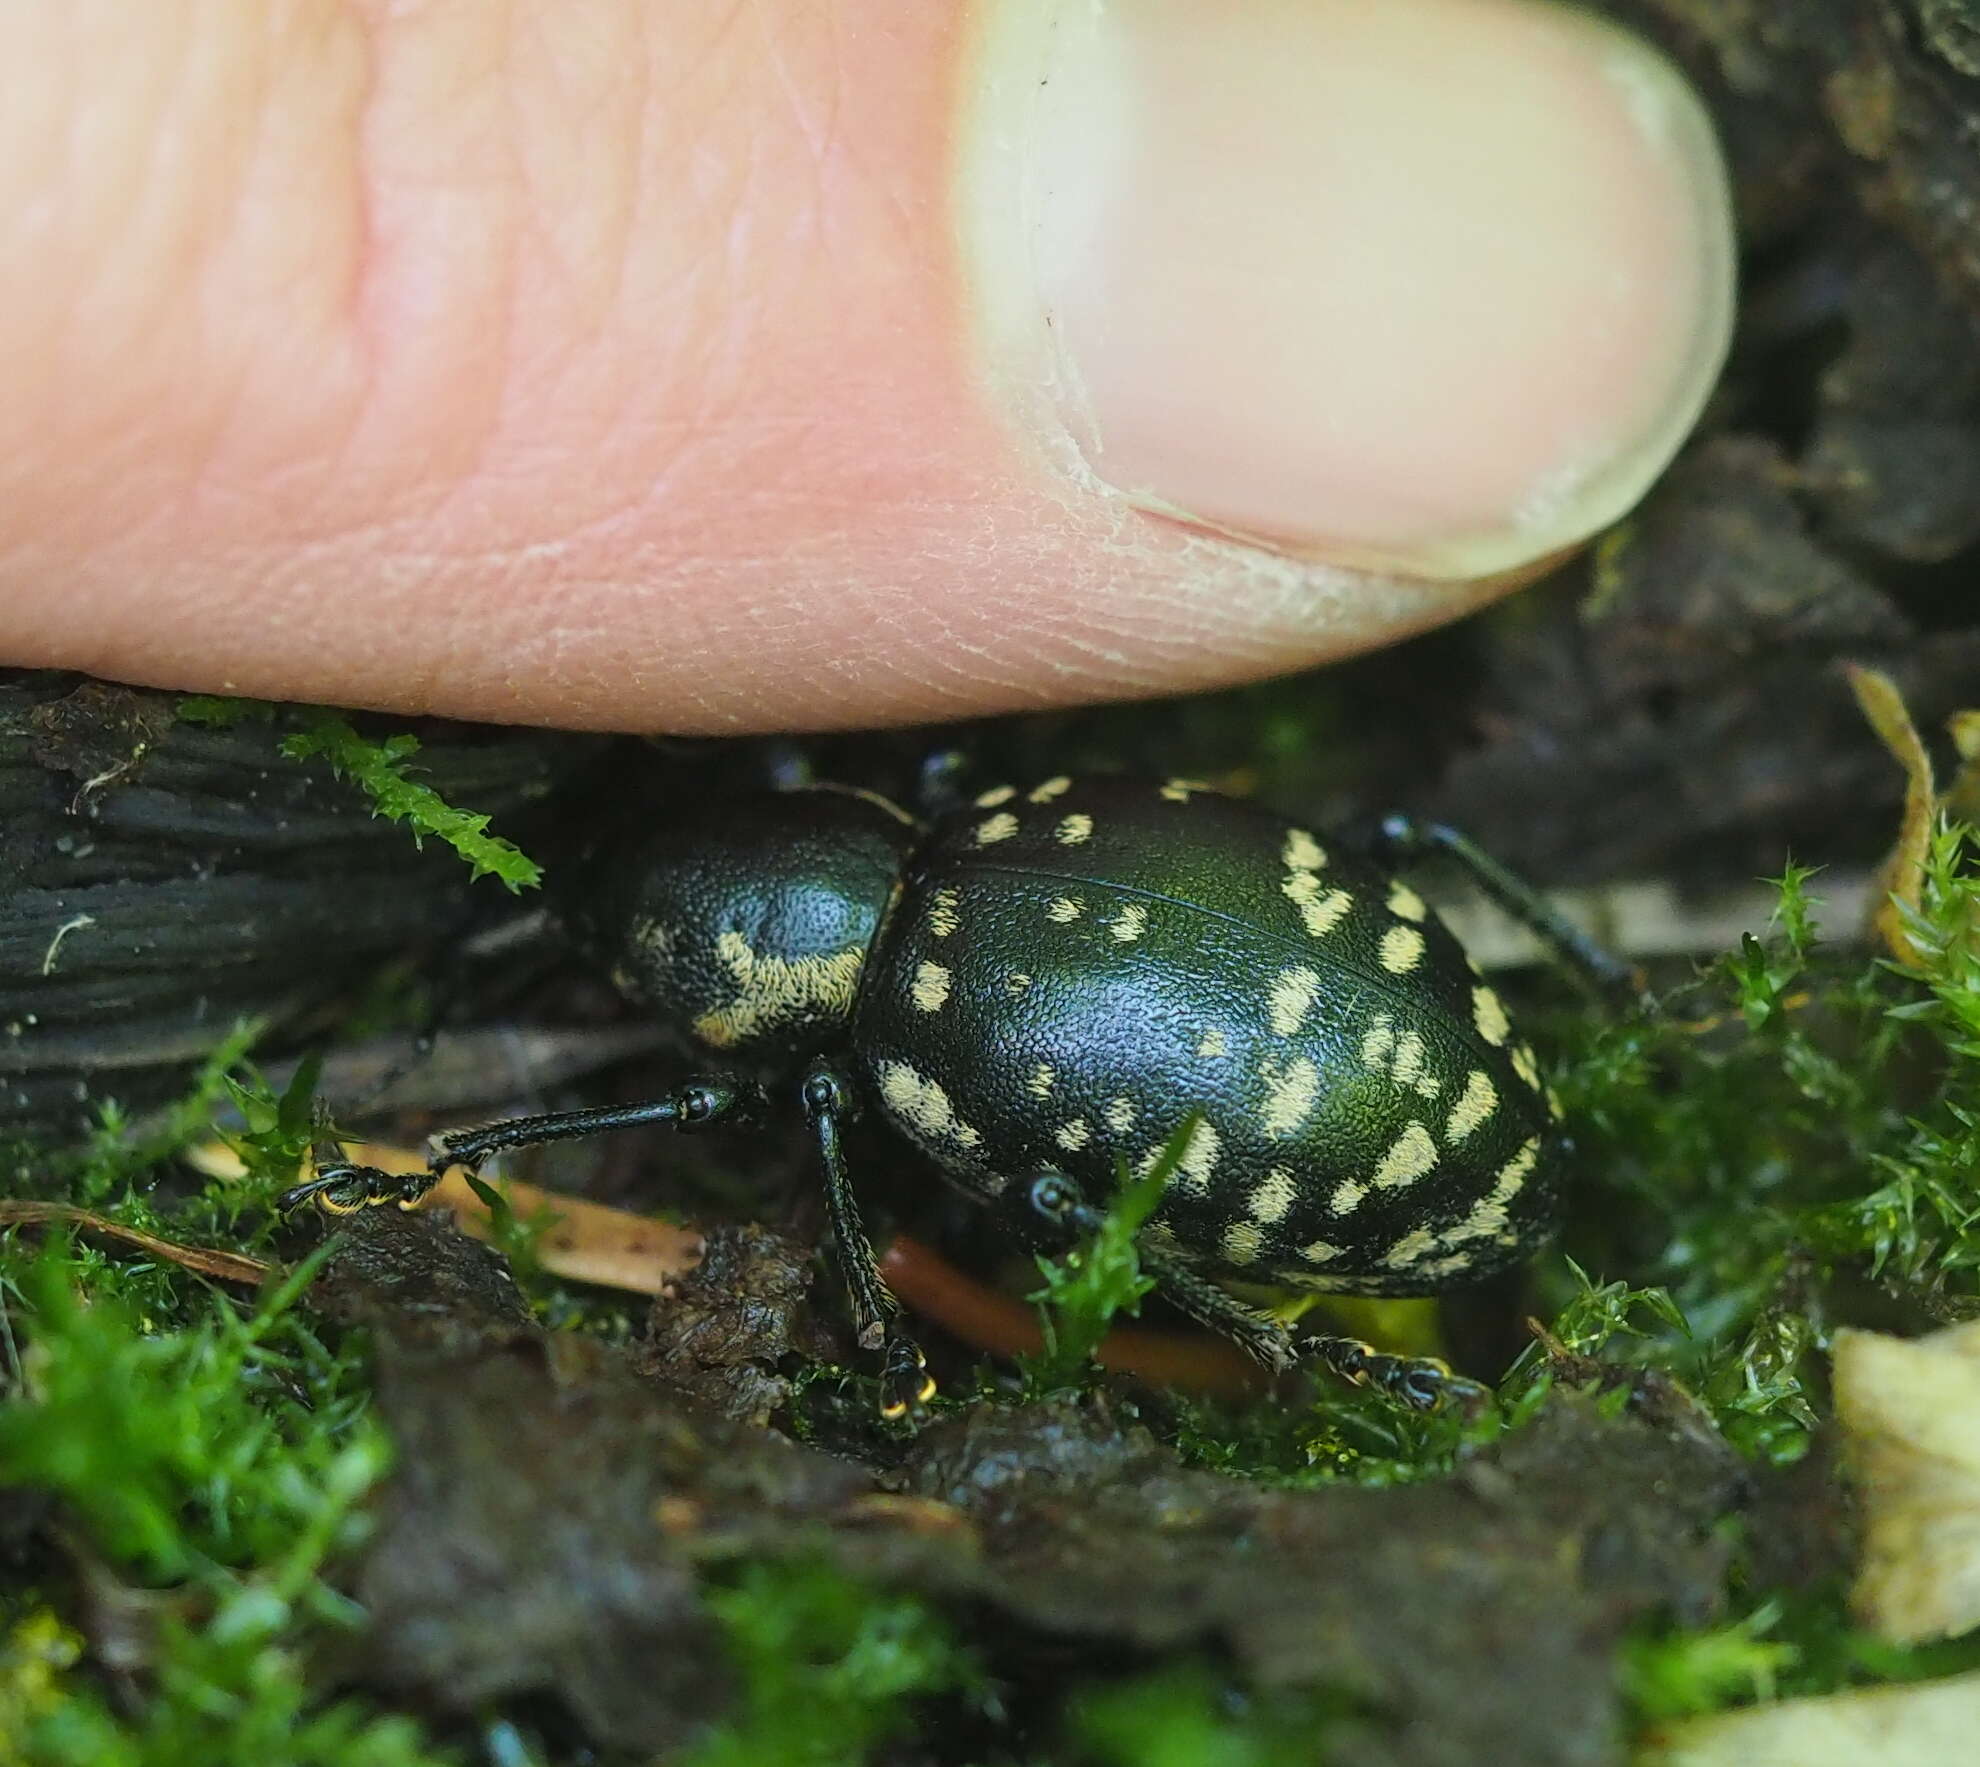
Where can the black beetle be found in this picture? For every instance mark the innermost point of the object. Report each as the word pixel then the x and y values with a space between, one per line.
pixel 1039 989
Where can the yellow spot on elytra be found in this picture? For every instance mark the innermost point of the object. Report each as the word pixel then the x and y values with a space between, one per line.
pixel 1063 909
pixel 1073 829
pixel 1410 1155
pixel 1274 1195
pixel 1302 852
pixel 1488 1014
pixel 1120 1114
pixel 1052 788
pixel 1016 982
pixel 1490 1218
pixel 1319 913
pixel 1347 1196
pixel 1210 1045
pixel 1428 1085
pixel 1074 1135
pixel 1409 1058
pixel 931 987
pixel 1293 993
pixel 1515 1171
pixel 1378 1044
pixel 1411 1249
pixel 1290 1093
pixel 1199 1159
pixel 999 827
pixel 1319 1252
pixel 922 1106
pixel 774 991
pixel 1523 1065
pixel 1129 924
pixel 1040 1083
pixel 1554 1106
pixel 1241 1242
pixel 942 917
pixel 1401 950
pixel 1405 903
pixel 1476 1103
pixel 1177 790
pixel 997 794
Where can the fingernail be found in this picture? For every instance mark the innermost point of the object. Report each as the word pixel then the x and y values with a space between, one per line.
pixel 1430 285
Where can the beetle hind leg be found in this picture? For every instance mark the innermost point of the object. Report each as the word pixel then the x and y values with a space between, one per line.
pixel 1421 1383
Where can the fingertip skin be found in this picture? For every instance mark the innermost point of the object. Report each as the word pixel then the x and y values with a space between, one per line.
pixel 610 367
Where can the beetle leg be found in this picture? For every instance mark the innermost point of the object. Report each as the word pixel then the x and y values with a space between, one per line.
pixel 904 1378
pixel 342 1190
pixel 692 1105
pixel 1258 1334
pixel 1422 1383
pixel 345 1189
pixel 1399 838
pixel 1419 1382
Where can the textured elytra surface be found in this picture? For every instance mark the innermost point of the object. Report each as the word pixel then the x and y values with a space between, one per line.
pixel 1074 968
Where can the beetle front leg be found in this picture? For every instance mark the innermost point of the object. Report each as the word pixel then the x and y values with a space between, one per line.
pixel 342 1190
pixel 904 1378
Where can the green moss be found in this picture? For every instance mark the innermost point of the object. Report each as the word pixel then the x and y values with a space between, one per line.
pixel 212 1466
pixel 1188 1717
pixel 829 1668
pixel 382 770
pixel 1088 1286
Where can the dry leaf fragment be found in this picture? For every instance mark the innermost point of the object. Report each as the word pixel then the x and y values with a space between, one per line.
pixel 1922 1724
pixel 206 1260
pixel 585 1241
pixel 1910 1412
pixel 1903 874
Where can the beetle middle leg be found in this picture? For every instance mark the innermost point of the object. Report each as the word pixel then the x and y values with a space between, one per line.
pixel 904 1378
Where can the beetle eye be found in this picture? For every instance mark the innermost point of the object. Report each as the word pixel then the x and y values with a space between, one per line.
pixel 698 1104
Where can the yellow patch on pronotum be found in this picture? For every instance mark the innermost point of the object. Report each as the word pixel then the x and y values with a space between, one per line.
pixel 775 990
